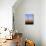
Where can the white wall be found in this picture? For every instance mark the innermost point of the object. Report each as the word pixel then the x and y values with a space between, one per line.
pixel 29 31
pixel 43 22
pixel 6 13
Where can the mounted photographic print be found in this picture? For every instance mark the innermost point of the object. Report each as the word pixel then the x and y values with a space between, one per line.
pixel 29 19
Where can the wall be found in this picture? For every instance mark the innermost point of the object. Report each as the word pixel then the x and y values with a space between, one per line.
pixel 29 31
pixel 43 22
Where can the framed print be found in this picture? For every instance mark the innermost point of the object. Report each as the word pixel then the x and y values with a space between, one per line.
pixel 29 19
